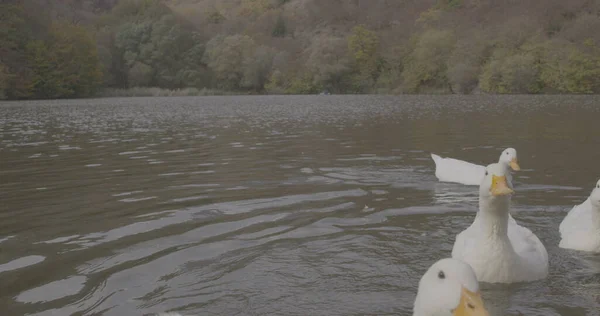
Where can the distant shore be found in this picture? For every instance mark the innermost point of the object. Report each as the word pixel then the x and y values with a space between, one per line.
pixel 161 92
pixel 193 92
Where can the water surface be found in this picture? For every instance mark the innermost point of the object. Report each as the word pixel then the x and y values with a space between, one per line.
pixel 278 205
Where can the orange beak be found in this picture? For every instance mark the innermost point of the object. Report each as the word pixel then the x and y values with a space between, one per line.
pixel 471 304
pixel 515 165
pixel 499 186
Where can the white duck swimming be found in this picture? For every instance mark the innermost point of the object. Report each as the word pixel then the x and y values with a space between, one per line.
pixel 459 171
pixel 497 248
pixel 580 230
pixel 449 288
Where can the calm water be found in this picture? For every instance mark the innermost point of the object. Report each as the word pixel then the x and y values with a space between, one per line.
pixel 316 205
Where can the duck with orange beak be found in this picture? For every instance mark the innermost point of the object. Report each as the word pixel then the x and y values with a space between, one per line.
pixel 497 248
pixel 449 288
pixel 463 172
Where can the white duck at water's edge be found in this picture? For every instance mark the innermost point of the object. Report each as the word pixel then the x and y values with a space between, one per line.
pixel 459 171
pixel 580 230
pixel 449 288
pixel 498 249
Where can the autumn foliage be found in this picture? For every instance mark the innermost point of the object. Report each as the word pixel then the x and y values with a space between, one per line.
pixel 77 48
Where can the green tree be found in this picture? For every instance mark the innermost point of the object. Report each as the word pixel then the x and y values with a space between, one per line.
pixel 163 44
pixel 4 80
pixel 466 61
pixel 15 33
pixel 77 59
pixel 140 75
pixel 257 68
pixel 330 64
pixel 279 30
pixel 139 10
pixel 568 69
pixel 215 17
pixel 518 73
pixel 302 83
pixel 67 66
pixel 47 83
pixel 276 83
pixel 426 65
pixel 363 45
pixel 227 58
pixel 195 73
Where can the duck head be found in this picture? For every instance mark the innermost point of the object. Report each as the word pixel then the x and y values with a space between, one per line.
pixel 509 157
pixel 449 288
pixel 496 181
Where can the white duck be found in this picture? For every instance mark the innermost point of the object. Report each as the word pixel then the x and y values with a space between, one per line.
pixel 459 171
pixel 580 230
pixel 449 288
pixel 496 247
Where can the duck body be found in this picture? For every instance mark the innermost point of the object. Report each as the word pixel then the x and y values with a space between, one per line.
pixel 497 248
pixel 463 172
pixel 502 253
pixel 580 229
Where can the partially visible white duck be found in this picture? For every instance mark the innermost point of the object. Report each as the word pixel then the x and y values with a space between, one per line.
pixel 459 171
pixel 580 230
pixel 498 249
pixel 449 288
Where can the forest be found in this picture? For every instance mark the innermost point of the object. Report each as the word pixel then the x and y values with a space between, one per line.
pixel 90 48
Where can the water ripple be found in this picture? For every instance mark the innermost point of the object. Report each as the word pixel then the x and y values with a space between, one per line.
pixel 275 205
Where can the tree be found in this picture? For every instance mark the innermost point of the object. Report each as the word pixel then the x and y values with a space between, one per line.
pixel 229 57
pixel 257 68
pixel 427 63
pixel 518 73
pixel 330 63
pixel 140 75
pixel 466 61
pixel 15 33
pixel 363 44
pixel 195 73
pixel 77 59
pixel 67 66
pixel 4 80
pixel 279 30
pixel 46 82
pixel 568 69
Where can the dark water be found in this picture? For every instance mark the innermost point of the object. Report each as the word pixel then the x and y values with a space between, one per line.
pixel 317 205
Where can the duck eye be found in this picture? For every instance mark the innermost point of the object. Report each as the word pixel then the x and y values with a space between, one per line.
pixel 441 275
pixel 507 152
pixel 486 173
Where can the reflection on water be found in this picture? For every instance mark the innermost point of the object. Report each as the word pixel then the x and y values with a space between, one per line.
pixel 21 263
pixel 274 205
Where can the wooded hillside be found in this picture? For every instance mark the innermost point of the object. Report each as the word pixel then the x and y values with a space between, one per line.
pixel 78 48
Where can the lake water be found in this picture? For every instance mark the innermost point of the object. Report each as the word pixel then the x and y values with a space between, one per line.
pixel 277 205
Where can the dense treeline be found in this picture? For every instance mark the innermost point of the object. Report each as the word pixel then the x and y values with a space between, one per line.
pixel 78 48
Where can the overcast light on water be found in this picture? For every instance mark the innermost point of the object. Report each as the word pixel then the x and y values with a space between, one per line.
pixel 277 205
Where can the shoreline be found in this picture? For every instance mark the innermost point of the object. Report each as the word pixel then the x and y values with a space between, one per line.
pixel 232 94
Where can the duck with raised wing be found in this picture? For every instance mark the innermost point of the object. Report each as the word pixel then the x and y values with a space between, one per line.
pixel 459 171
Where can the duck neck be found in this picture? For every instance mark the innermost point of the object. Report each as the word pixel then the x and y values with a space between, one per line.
pixel 493 215
pixel 595 215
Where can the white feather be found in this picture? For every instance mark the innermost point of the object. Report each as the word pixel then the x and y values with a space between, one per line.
pixel 580 229
pixel 498 249
pixel 463 172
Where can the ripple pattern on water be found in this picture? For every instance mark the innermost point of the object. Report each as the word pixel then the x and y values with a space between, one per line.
pixel 275 205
